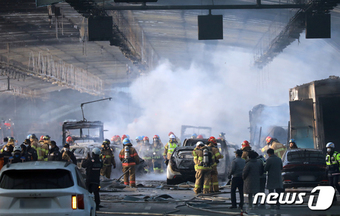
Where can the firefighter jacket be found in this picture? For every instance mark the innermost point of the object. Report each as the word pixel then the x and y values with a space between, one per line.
pixel 216 153
pixel 279 149
pixel 132 159
pixel 54 154
pixel 30 154
pixel 199 160
pixel 264 151
pixel 332 162
pixel 36 145
pixel 44 150
pixel 157 150
pixel 93 167
pixel 67 155
pixel 9 145
pixel 146 150
pixel 107 157
pixel 169 149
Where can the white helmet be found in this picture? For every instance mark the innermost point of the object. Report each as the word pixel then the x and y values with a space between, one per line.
pixel 17 148
pixel 330 145
pixel 199 143
pixel 96 151
pixel 172 136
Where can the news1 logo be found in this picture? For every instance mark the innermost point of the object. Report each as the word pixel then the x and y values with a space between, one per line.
pixel 323 201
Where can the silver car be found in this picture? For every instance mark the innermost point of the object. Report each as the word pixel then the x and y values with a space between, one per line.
pixel 44 188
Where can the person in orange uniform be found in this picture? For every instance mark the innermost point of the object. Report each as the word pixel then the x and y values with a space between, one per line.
pixel 212 145
pixel 129 158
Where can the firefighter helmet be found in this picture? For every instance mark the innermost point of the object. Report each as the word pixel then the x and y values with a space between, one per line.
pixel 212 140
pixel 330 145
pixel 123 137
pixel 194 136
pixel 200 137
pixel 292 141
pixel 17 148
pixel 156 137
pixel 96 151
pixel 106 142
pixel 170 133
pixel 245 143
pixel 268 139
pixel 47 137
pixel 41 138
pixel 69 139
pixel 172 136
pixel 199 143
pixel 146 138
pixel 126 141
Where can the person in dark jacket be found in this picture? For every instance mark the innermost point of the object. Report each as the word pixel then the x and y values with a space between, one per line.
pixel 67 155
pixel 54 153
pixel 262 162
pixel 17 156
pixel 93 166
pixel 29 153
pixel 236 179
pixel 251 177
pixel 274 168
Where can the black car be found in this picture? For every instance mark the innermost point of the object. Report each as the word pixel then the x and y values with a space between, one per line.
pixel 304 168
pixel 181 164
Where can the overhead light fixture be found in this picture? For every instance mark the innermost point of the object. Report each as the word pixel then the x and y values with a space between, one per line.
pixel 210 27
pixel 318 25
pixel 100 28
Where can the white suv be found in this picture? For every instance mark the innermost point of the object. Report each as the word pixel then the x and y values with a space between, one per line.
pixel 44 188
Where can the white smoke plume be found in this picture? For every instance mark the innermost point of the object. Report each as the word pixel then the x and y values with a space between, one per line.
pixel 220 88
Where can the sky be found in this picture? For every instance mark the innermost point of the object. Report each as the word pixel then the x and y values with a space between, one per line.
pixel 221 87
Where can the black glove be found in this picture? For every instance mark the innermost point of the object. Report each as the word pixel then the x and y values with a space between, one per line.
pixel 217 161
pixel 166 162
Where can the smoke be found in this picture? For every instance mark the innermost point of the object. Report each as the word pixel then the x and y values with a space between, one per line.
pixel 221 86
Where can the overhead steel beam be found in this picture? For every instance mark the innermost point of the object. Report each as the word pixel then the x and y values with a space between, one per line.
pixel 204 7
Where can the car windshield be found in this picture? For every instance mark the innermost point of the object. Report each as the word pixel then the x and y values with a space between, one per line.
pixel 185 155
pixel 36 179
pixel 305 156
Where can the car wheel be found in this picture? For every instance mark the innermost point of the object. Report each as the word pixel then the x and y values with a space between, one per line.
pixel 170 181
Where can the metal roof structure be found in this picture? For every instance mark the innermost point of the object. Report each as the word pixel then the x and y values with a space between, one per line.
pixel 45 49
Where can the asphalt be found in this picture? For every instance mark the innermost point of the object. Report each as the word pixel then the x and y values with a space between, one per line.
pixel 156 198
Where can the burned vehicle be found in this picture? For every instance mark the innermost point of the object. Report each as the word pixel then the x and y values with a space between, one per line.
pixel 181 164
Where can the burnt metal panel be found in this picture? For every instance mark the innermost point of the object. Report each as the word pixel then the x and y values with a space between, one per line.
pixel 301 122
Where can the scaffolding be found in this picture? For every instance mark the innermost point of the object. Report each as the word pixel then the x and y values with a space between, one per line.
pixel 64 74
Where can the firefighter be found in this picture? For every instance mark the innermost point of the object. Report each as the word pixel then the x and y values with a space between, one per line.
pixel 169 148
pixel 245 147
pixel 157 160
pixel 107 158
pixel 17 155
pixel 70 141
pixel 212 144
pixel 41 140
pixel 194 136
pixel 203 160
pixel 333 166
pixel 93 166
pixel 7 153
pixel 35 144
pixel 116 142
pixel 292 144
pixel 54 153
pixel 10 144
pixel 30 153
pixel 177 140
pixel 129 158
pixel 279 149
pixel 67 155
pixel 146 150
pixel 139 143
pixel 45 147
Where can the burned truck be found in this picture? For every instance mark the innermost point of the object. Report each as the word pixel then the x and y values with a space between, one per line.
pixel 315 113
pixel 268 121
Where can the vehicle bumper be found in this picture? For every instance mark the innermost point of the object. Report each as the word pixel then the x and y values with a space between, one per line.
pixel 49 212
